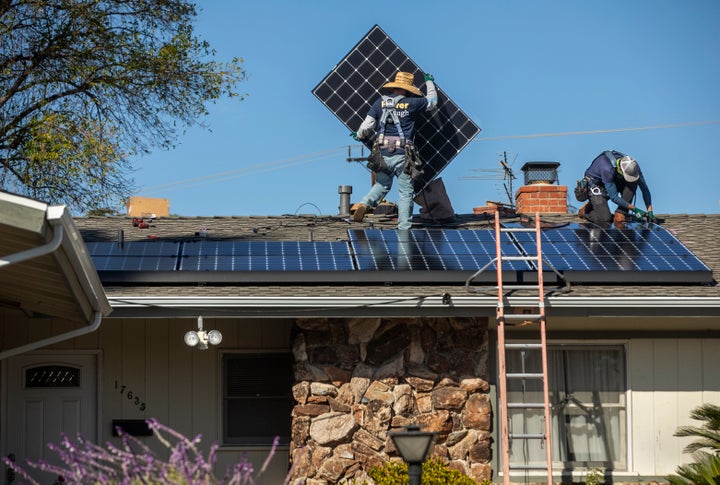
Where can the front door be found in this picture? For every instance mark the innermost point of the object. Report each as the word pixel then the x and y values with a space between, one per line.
pixel 49 394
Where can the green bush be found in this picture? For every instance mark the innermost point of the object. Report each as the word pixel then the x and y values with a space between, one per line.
pixel 434 471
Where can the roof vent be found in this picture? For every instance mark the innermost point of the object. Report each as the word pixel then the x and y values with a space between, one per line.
pixel 344 207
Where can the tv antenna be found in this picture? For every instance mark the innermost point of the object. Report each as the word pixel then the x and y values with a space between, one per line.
pixel 505 173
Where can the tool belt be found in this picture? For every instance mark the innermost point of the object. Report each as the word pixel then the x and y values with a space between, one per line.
pixel 376 161
pixel 414 165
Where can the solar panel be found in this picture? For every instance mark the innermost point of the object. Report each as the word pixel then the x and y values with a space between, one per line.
pixel 353 85
pixel 134 255
pixel 265 256
pixel 443 252
pixel 634 254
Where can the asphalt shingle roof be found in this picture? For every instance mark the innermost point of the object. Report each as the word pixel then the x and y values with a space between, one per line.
pixel 700 233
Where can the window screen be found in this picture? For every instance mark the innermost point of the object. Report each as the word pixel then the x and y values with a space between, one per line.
pixel 588 405
pixel 257 398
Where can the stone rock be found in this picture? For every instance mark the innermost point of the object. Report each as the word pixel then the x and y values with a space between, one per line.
pixel 438 422
pixel 455 437
pixel 363 370
pixel 333 469
pixel 299 430
pixel 391 369
pixel 358 387
pixel 415 353
pixel 420 384
pixel 452 398
pixel 322 389
pixel 474 384
pixel 301 391
pixel 337 375
pixel 298 349
pixel 323 354
pixel 460 465
pixel 333 428
pixel 344 451
pixel 317 400
pixel 480 472
pixel 302 463
pixel 424 403
pixel 404 403
pixel 378 391
pixel 306 372
pixel 461 450
pixel 337 406
pixel 310 409
pixel 447 382
pixel 390 343
pixel 362 437
pixel 348 356
pixel 480 451
pixel 361 330
pixel 377 418
pixel 438 363
pixel 477 412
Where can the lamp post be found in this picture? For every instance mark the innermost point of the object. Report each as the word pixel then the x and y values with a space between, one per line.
pixel 413 446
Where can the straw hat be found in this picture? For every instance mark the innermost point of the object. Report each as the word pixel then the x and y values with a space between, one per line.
pixel 629 168
pixel 404 80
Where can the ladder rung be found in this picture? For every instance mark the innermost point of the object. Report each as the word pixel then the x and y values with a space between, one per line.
pixel 521 287
pixel 525 405
pixel 523 346
pixel 519 258
pixel 517 229
pixel 527 436
pixel 525 375
pixel 522 316
pixel 528 467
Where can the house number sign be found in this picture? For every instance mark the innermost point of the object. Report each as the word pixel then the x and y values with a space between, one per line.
pixel 130 395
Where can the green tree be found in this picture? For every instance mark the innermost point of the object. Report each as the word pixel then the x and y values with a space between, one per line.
pixel 705 449
pixel 87 84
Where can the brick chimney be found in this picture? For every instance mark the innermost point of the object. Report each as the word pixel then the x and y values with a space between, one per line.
pixel 541 192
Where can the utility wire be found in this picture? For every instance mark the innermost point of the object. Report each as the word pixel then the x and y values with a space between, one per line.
pixel 593 132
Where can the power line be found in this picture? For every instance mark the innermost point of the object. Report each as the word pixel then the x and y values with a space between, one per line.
pixel 593 132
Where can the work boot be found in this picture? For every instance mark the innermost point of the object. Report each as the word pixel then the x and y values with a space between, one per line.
pixel 582 210
pixel 619 220
pixel 360 211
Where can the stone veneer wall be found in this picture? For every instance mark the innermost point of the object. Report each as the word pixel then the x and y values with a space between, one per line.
pixel 358 379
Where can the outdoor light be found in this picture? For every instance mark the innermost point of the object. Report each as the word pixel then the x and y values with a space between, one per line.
pixel 413 446
pixel 201 339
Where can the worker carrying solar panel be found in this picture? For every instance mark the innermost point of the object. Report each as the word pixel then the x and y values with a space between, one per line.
pixel 614 176
pixel 390 124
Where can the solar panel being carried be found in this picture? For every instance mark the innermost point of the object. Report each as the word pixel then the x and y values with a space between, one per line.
pixel 353 85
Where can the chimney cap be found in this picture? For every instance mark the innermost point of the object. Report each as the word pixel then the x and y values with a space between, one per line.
pixel 540 172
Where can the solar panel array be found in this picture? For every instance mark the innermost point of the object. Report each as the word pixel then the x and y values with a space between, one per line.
pixel 265 256
pixel 638 253
pixel 581 253
pixel 353 85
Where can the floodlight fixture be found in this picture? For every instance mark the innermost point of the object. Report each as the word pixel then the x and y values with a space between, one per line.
pixel 201 338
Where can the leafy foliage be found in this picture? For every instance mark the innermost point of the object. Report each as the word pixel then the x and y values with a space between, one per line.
pixel 86 84
pixel 134 463
pixel 705 450
pixel 435 471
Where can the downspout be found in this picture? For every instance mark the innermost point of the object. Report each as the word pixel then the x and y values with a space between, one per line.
pixel 50 247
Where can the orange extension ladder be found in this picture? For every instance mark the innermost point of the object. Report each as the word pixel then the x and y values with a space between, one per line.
pixel 537 316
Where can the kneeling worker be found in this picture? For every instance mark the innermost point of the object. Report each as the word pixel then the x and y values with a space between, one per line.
pixel 614 176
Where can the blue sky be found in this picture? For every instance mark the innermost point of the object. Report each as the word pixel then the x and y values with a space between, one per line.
pixel 517 68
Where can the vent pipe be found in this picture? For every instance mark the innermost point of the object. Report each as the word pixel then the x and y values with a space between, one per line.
pixel 344 208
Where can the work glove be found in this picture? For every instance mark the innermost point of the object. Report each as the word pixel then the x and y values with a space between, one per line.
pixel 429 77
pixel 638 212
pixel 650 216
pixel 354 134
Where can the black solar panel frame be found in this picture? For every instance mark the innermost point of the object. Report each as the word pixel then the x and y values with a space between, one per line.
pixel 351 87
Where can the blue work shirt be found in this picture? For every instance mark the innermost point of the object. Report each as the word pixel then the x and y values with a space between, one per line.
pixel 603 173
pixel 407 109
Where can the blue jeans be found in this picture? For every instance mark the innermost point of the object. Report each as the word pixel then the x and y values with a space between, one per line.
pixel 383 184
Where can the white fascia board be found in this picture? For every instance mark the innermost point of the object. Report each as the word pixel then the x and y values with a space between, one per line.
pixel 407 302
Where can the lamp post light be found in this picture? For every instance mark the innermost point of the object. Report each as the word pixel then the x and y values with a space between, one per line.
pixel 413 446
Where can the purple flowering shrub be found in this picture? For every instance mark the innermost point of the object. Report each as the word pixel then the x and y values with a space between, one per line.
pixel 133 463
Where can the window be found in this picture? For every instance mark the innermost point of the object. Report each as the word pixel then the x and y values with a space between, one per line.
pixel 587 386
pixel 257 398
pixel 52 376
